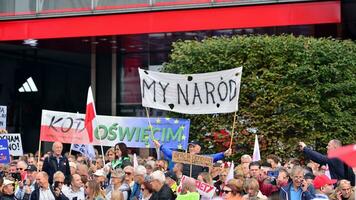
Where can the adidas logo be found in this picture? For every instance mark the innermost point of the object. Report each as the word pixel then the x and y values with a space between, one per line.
pixel 28 86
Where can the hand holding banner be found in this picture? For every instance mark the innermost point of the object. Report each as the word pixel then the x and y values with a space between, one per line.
pixel 206 93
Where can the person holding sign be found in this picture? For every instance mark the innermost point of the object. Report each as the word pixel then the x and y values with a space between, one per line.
pixel 194 148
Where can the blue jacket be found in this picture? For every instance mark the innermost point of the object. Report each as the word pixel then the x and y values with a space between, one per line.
pixel 195 168
pixel 338 169
pixel 284 193
pixel 136 192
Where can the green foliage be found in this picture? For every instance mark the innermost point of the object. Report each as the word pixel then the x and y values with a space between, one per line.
pixel 293 89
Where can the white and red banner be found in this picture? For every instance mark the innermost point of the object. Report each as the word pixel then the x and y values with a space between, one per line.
pixel 204 189
pixel 70 128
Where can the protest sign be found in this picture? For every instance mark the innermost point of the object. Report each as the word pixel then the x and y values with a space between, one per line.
pixel 85 149
pixel 15 143
pixel 3 114
pixel 4 151
pixel 206 93
pixel 133 131
pixel 204 189
pixel 187 158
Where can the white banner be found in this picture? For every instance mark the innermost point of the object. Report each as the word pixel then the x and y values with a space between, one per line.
pixel 3 114
pixel 207 93
pixel 15 143
pixel 86 149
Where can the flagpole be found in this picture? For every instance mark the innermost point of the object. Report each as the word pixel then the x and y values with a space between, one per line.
pixel 151 127
pixel 233 129
pixel 101 144
pixel 39 155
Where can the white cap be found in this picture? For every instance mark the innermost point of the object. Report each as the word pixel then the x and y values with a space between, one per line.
pixel 100 172
pixel 7 182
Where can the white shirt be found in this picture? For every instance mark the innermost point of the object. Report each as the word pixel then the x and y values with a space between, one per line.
pixel 46 194
pixel 68 192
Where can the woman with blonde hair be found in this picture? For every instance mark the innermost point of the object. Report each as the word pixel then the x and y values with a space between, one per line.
pixel 93 191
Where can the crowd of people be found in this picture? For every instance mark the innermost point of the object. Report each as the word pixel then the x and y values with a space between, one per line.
pixel 118 176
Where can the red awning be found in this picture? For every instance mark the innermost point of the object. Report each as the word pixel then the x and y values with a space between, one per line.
pixel 174 21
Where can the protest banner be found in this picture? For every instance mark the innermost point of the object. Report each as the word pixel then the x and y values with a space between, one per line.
pixel 85 149
pixel 3 114
pixel 206 93
pixel 133 131
pixel 203 189
pixel 187 158
pixel 14 143
pixel 4 152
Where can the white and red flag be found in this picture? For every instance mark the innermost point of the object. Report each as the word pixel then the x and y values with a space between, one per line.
pixel 90 115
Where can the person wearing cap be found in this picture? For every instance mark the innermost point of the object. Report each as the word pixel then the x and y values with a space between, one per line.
pixel 323 187
pixel 75 190
pixel 100 177
pixel 29 184
pixel 171 181
pixel 57 162
pixel 194 148
pixel 8 190
pixel 117 183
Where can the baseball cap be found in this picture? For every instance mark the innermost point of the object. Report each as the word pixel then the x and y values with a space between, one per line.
pixel 194 142
pixel 99 172
pixel 31 168
pixel 171 175
pixel 323 180
pixel 7 182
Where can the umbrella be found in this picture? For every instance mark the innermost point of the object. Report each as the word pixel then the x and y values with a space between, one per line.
pixel 346 153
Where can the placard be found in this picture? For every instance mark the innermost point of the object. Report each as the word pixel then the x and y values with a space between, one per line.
pixel 14 143
pixel 187 158
pixel 3 114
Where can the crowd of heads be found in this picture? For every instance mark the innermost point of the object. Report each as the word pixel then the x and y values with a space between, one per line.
pixel 115 176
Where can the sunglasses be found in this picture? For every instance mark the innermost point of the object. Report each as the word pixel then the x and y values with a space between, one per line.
pixel 226 191
pixel 142 189
pixel 128 173
pixel 60 182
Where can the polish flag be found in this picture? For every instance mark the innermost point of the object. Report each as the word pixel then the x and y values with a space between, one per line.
pixel 90 115
pixel 256 150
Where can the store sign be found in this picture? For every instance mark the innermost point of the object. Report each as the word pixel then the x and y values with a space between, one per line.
pixel 207 93
pixel 135 132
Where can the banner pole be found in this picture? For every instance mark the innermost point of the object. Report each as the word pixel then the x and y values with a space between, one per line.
pixel 39 156
pixel 101 144
pixel 151 127
pixel 233 129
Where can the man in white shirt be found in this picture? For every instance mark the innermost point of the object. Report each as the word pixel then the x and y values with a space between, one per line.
pixel 75 191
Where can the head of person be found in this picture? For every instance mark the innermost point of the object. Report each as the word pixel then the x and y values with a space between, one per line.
pixel 283 178
pixel 171 178
pixel 100 176
pixel 92 188
pixel 31 173
pixel 40 165
pixel 254 169
pixel 116 195
pixel 273 160
pixel 251 187
pixel 205 177
pixel 223 175
pixel 194 147
pixel 264 168
pixel 21 167
pixel 76 181
pixel 157 180
pixel 189 186
pixel 117 177
pixel 146 188
pixel 12 169
pixel 31 161
pixel 82 169
pixel 246 159
pixel 291 163
pixel 110 154
pixel 42 179
pixel 58 179
pixel 309 177
pixel 129 174
pixel 344 186
pixel 297 175
pixel 8 187
pixel 231 191
pixel 324 184
pixel 178 168
pixel 72 167
pixel 99 164
pixel 57 148
pixel 121 150
pixel 333 144
pixel 161 165
pixel 149 168
pixel 140 174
